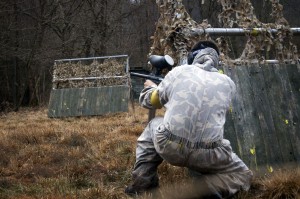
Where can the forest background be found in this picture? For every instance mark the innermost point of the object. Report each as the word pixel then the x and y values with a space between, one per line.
pixel 34 33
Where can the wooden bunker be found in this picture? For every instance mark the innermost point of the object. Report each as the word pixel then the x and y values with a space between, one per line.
pixel 263 124
pixel 89 86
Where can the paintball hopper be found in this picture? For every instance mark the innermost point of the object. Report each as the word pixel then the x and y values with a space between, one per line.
pixel 161 62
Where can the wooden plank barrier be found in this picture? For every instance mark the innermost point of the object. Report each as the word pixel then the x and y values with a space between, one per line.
pixel 89 86
pixel 263 124
pixel 72 102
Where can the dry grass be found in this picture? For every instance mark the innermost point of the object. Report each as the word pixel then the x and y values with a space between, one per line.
pixel 283 183
pixel 92 157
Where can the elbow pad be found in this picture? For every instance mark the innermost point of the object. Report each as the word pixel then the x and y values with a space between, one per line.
pixel 154 100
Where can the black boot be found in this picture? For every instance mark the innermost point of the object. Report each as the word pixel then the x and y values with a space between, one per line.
pixel 137 189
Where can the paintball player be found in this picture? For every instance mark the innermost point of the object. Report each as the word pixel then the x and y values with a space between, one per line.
pixel 196 97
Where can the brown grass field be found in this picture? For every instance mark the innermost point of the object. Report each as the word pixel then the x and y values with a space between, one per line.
pixel 92 157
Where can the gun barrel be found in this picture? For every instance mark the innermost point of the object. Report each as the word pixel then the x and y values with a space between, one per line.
pixel 154 78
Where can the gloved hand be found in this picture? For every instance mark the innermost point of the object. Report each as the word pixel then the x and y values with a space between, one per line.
pixel 149 83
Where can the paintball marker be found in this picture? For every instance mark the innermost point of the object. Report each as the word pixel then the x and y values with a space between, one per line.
pixel 159 63
pixel 151 77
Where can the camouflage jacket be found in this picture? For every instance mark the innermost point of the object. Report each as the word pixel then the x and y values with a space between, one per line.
pixel 196 98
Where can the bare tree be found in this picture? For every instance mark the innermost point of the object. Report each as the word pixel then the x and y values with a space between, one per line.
pixel 34 33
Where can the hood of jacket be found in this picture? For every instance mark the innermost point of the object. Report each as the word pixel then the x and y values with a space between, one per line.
pixel 207 59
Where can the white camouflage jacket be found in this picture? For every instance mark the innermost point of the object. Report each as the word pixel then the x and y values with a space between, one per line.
pixel 196 98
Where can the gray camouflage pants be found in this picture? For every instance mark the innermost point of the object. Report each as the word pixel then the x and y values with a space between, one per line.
pixel 216 170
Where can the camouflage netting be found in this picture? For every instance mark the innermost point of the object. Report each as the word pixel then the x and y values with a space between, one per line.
pixel 241 13
pixel 80 74
pixel 175 31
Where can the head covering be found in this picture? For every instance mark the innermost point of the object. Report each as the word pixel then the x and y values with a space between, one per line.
pixel 200 46
pixel 207 59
